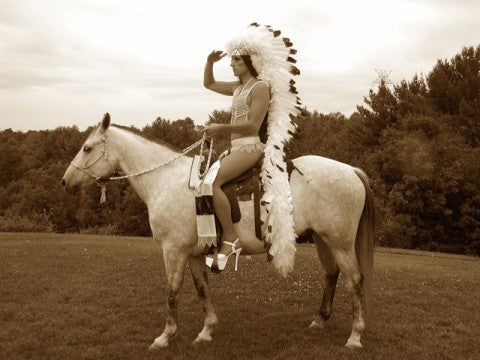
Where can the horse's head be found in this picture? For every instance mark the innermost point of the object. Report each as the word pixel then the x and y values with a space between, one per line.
pixel 92 162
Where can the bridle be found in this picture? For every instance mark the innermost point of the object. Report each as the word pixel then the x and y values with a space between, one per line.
pixel 104 154
pixel 102 180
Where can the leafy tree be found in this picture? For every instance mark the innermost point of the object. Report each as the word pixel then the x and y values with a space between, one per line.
pixel 180 133
pixel 370 122
pixel 10 160
pixel 453 82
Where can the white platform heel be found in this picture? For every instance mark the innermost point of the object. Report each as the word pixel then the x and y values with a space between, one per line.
pixel 223 259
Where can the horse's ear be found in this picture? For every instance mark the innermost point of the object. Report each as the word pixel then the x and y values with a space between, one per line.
pixel 105 122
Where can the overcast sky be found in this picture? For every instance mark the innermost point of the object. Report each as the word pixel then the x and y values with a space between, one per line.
pixel 67 62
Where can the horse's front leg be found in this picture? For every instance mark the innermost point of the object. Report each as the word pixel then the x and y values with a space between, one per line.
pixel 200 279
pixel 175 260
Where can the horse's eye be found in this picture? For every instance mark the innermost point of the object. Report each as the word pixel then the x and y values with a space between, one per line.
pixel 87 148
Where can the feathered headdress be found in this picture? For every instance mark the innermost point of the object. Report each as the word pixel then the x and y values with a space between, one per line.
pixel 271 56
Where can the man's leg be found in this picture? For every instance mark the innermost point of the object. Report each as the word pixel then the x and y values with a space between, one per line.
pixel 232 166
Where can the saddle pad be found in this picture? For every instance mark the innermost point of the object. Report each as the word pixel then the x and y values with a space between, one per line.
pixel 206 229
pixel 194 181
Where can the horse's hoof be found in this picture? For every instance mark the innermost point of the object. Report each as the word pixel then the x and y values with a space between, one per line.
pixel 161 342
pixel 351 344
pixel 202 338
pixel 155 346
pixel 316 325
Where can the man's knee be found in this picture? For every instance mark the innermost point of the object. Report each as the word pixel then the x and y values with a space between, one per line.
pixel 217 185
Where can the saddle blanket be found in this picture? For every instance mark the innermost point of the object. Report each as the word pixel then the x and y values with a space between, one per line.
pixel 206 228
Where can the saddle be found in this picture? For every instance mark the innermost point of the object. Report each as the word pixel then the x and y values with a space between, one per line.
pixel 244 188
pixel 247 187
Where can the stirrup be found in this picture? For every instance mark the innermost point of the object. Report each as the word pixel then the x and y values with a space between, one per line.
pixel 223 259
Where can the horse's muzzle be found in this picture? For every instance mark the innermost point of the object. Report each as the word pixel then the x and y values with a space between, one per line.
pixel 68 189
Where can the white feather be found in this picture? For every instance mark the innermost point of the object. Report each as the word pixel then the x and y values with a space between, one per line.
pixel 269 57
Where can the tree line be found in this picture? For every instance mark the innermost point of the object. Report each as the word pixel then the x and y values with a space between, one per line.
pixel 419 142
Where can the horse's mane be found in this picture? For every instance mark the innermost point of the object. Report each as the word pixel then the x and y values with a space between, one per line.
pixel 148 137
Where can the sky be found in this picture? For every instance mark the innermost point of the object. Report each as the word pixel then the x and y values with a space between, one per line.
pixel 67 62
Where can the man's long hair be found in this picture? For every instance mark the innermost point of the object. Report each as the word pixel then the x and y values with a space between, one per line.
pixel 248 62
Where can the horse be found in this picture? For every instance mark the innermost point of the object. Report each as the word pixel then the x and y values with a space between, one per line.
pixel 331 200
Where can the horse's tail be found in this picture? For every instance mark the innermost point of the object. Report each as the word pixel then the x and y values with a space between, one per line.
pixel 364 242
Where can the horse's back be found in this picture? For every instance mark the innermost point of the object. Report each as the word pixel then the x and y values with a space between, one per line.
pixel 328 196
pixel 318 165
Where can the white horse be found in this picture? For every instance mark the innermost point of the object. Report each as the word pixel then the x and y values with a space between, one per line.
pixel 331 199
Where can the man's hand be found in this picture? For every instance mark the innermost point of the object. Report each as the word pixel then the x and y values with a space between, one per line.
pixel 214 129
pixel 216 55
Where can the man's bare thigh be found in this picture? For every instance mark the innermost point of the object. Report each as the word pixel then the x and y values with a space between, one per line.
pixel 235 164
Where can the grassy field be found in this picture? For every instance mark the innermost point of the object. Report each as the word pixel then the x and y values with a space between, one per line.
pixel 98 297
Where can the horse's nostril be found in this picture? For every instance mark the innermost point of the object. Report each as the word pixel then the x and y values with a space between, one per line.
pixel 63 182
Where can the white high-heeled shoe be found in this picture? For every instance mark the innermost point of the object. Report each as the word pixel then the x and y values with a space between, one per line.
pixel 223 259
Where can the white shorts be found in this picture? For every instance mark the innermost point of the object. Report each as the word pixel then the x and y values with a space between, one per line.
pixel 248 144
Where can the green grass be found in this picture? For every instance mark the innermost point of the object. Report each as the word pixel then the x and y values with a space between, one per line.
pixel 99 297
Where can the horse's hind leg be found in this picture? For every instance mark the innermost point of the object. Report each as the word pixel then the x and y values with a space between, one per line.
pixel 331 276
pixel 349 267
pixel 200 279
pixel 175 262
